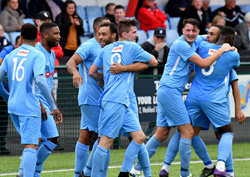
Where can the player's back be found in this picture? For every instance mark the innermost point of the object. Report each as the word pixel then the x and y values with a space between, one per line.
pixel 117 86
pixel 89 91
pixel 22 65
pixel 211 84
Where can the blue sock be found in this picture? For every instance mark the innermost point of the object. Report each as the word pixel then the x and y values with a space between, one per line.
pixel 29 162
pixel 225 146
pixel 230 163
pixel 105 172
pixel 185 154
pixel 173 148
pixel 130 156
pixel 81 157
pixel 43 152
pixel 99 159
pixel 143 158
pixel 151 146
pixel 201 150
pixel 20 170
pixel 88 167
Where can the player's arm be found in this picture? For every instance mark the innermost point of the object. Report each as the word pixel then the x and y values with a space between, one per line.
pixel 3 91
pixel 59 118
pixel 117 68
pixel 43 111
pixel 72 69
pixel 93 73
pixel 204 63
pixel 239 115
pixel 1 60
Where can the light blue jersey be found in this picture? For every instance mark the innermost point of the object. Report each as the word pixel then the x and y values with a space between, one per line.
pixel 211 84
pixel 178 67
pixel 89 91
pixel 22 65
pixel 117 86
pixel 49 69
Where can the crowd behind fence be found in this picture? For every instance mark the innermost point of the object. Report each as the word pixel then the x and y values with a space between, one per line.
pixel 69 129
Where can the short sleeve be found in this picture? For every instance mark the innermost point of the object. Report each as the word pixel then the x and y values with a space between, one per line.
pixel 237 60
pixel 39 64
pixel 233 75
pixel 99 59
pixel 184 50
pixel 83 50
pixel 140 54
pixel 4 64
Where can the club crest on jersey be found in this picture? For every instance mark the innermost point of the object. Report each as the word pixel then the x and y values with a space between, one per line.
pixel 48 74
pixel 211 51
pixel 117 49
pixel 23 53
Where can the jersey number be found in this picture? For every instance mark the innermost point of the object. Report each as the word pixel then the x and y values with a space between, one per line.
pixel 210 71
pixel 17 69
pixel 118 56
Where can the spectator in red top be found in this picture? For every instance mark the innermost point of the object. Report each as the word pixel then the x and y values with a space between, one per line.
pixel 44 16
pixel 151 17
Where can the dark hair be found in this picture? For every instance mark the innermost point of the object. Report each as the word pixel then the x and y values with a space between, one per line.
pixel 124 26
pixel 108 6
pixel 228 35
pixel 29 32
pixel 112 27
pixel 46 26
pixel 191 21
pixel 97 22
pixel 119 7
pixel 219 26
pixel 64 8
pixel 17 38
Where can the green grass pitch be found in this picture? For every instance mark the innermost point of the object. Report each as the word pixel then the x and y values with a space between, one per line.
pixel 62 164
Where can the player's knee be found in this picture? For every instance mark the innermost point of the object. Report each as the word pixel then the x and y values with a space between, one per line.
pixel 161 135
pixel 139 138
pixel 54 140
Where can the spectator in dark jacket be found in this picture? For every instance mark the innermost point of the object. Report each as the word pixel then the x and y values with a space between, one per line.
pixel 176 7
pixel 110 9
pixel 231 13
pixel 157 46
pixel 71 28
pixel 196 12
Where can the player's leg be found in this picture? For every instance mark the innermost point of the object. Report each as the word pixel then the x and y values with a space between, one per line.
pixel 30 133
pixel 110 122
pixel 89 125
pixel 88 167
pixel 178 117
pixel 50 139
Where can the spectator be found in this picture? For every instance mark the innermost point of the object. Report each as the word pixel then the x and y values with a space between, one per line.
pixel 110 10
pixel 150 16
pixel 176 7
pixel 11 17
pixel 3 41
pixel 44 16
pixel 53 6
pixel 3 105
pixel 119 13
pixel 157 46
pixel 209 15
pixel 231 13
pixel 195 11
pixel 219 20
pixel 71 28
pixel 22 6
pixel 243 29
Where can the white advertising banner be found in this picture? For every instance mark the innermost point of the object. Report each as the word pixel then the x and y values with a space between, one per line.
pixel 244 86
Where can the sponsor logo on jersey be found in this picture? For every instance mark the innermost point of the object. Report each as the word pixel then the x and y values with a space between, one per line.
pixel 211 51
pixel 117 49
pixel 48 74
pixel 23 53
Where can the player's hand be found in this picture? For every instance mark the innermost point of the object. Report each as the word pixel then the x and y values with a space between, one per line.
pixel 57 116
pixel 116 68
pixel 43 113
pixel 226 47
pixel 77 79
pixel 240 117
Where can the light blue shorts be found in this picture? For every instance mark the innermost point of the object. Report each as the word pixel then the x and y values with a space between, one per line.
pixel 133 106
pixel 28 128
pixel 90 117
pixel 111 119
pixel 48 128
pixel 173 106
pixel 202 113
pixel 161 119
